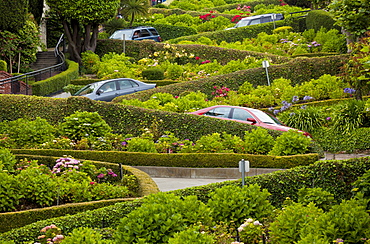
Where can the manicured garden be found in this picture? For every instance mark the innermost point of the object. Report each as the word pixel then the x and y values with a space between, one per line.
pixel 315 87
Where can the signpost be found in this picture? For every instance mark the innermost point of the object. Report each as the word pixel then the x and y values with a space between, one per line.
pixel 265 64
pixel 243 167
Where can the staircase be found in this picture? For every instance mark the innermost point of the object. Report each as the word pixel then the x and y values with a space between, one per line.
pixel 44 60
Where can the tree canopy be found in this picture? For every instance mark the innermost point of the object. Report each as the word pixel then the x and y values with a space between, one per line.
pixel 14 14
pixel 353 16
pixel 81 19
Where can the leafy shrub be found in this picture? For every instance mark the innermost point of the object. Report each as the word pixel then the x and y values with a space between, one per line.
pixel 9 192
pixel 160 217
pixel 84 235
pixel 251 231
pixel 89 60
pixel 322 199
pixel 84 124
pixel 36 187
pixel 192 234
pixel 7 160
pixel 361 185
pixel 28 133
pixel 3 65
pixel 174 71
pixel 290 143
pixel 153 74
pixel 257 141
pixel 348 221
pixel 290 220
pixel 231 204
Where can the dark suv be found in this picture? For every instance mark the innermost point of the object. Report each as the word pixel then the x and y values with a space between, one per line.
pixel 138 33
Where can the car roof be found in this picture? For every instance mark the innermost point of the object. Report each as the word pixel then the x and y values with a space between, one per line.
pixel 258 16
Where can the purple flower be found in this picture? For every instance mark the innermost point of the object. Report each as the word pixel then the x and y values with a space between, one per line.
pixel 305 98
pixel 124 143
pixel 328 118
pixel 304 107
pixel 100 176
pixel 295 99
pixel 276 111
pixel 291 114
pixel 349 90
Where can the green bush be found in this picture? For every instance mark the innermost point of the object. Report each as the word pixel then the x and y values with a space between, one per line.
pixel 257 141
pixel 7 161
pixel 322 199
pixel 290 143
pixel 160 217
pixel 191 235
pixel 348 115
pixel 348 221
pixel 84 124
pixel 319 18
pixel 89 60
pixel 84 235
pixel 153 74
pixel 232 204
pixel 28 133
pixel 286 226
pixel 9 192
pixel 3 66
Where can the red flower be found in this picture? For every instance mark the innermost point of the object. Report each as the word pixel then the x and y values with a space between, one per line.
pixel 197 58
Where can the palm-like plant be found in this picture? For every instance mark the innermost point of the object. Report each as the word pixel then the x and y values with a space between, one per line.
pixel 132 8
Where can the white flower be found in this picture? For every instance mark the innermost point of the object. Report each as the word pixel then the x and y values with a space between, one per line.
pixel 257 222
pixel 249 220
pixel 240 229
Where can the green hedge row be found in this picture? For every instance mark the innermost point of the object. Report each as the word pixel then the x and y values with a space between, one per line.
pixel 99 218
pixel 56 82
pixel 319 18
pixel 298 70
pixel 190 160
pixel 15 220
pixel 238 34
pixel 122 119
pixel 333 176
pixel 143 49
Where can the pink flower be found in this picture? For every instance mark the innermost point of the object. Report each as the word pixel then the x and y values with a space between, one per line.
pixel 197 58
pixel 92 183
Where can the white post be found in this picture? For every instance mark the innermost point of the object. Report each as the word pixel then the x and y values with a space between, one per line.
pixel 265 64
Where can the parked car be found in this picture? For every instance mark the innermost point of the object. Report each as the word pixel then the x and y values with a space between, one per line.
pixel 257 19
pixel 138 33
pixel 106 90
pixel 245 115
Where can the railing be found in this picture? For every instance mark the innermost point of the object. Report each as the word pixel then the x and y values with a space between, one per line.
pixel 20 84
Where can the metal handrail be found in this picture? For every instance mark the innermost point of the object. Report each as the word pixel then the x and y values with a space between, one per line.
pixel 36 75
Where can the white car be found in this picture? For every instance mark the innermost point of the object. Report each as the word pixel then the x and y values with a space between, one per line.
pixel 257 19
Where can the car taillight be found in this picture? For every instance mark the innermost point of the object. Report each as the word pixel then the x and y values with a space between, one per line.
pixel 159 39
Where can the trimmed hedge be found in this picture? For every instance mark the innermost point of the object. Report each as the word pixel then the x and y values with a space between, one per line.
pixel 298 70
pixel 143 49
pixel 319 18
pixel 122 119
pixel 99 218
pixel 190 160
pixel 56 82
pixel 15 220
pixel 333 176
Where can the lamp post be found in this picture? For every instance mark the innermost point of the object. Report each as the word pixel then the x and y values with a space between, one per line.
pixel 273 19
pixel 265 64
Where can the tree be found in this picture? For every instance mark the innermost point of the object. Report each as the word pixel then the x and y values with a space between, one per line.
pixel 353 16
pixel 81 19
pixel 130 8
pixel 14 14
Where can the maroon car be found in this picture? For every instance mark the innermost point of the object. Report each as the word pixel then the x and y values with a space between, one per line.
pixel 246 115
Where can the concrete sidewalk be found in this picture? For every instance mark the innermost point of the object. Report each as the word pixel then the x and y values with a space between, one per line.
pixel 170 184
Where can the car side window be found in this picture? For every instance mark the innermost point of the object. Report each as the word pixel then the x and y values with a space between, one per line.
pixel 255 22
pixel 109 86
pixel 241 114
pixel 221 112
pixel 154 32
pixel 144 33
pixel 134 84
pixel 124 84
pixel 266 19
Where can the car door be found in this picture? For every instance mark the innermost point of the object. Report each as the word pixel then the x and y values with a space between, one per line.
pixel 107 91
pixel 127 86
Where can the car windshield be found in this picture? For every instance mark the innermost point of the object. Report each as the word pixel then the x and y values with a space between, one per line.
pixel 265 118
pixel 242 22
pixel 86 90
pixel 119 34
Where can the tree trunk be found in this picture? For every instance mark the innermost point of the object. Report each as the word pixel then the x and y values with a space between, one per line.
pixel 91 37
pixel 74 40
